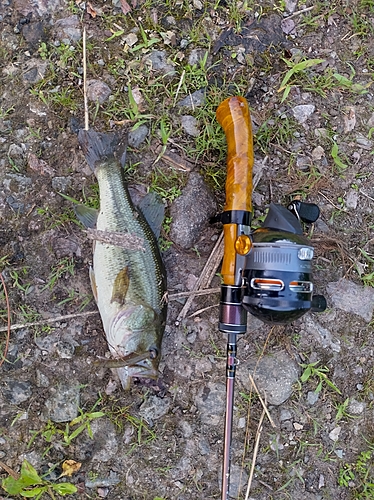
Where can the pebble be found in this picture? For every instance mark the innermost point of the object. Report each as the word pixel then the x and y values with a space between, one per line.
pixel 352 298
pixel 191 211
pixel 68 29
pixel 193 100
pixel 318 153
pixel 34 71
pixel 61 184
pixel 63 404
pixel 238 480
pixel 154 408
pixel 351 199
pixel 189 124
pixel 302 112
pixel 138 136
pixel 321 334
pixel 159 62
pixel 98 91
pixel 274 376
pixel 334 434
pixel 312 397
pixel 105 439
pixel 16 392
pixel 211 402
pixel 356 407
pixel 103 482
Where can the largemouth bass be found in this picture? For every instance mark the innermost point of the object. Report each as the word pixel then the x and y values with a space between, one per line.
pixel 129 286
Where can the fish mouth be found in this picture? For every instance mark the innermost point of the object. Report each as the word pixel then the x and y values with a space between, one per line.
pixel 136 365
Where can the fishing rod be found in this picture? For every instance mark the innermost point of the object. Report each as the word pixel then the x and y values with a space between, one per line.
pixel 266 272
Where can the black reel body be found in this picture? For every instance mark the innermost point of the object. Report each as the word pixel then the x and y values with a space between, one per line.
pixel 277 277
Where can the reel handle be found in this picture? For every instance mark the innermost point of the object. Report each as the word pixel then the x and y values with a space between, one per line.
pixel 234 117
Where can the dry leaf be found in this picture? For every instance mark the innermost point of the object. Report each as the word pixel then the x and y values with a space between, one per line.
pixel 125 7
pixel 91 10
pixel 70 467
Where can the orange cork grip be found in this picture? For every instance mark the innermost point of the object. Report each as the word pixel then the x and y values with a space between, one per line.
pixel 233 115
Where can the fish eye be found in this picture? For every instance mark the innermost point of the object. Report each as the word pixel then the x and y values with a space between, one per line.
pixel 153 353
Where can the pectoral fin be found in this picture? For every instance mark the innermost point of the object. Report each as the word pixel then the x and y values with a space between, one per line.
pixel 153 210
pixel 121 285
pixel 86 215
pixel 93 284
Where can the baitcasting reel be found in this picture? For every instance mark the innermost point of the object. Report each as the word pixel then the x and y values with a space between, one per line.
pixel 277 277
pixel 273 270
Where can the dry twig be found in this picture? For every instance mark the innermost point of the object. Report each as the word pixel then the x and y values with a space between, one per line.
pixel 8 327
pixel 56 319
pixel 255 452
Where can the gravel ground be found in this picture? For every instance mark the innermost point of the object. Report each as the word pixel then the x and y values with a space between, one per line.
pixel 161 69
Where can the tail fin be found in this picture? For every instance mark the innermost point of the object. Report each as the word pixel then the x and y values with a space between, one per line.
pixel 97 146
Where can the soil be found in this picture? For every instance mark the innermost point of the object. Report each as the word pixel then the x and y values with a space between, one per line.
pixel 312 140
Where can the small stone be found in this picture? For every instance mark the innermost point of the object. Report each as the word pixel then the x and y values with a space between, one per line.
pixel 339 453
pixel 351 199
pixel 34 71
pixel 193 100
pixel 103 482
pixel 364 142
pixel 352 298
pixel 196 56
pixel 197 4
pixel 16 392
pixel 154 408
pixel 334 434
pixel 297 426
pixel 274 375
pixel 63 405
pixel 242 423
pixel 68 29
pixel 138 136
pixel 61 184
pixel 159 62
pixel 321 481
pixel 105 439
pixel 356 407
pixel 285 415
pixel 189 123
pixel 204 447
pixel 191 337
pixel 98 91
pixel 312 397
pixel 318 153
pixel 211 401
pixel 302 112
pixel 41 379
pixel 131 39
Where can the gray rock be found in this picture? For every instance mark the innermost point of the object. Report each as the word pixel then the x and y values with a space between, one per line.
pixel 285 415
pixel 204 447
pixel 34 71
pixel 351 199
pixel 61 184
pixel 238 480
pixel 352 298
pixel 16 392
pixel 356 407
pixel 334 434
pixel 154 408
pixel 196 55
pixel 104 482
pixel 159 62
pixel 193 100
pixel 274 375
pixel 321 334
pixel 191 211
pixel 98 91
pixel 105 439
pixel 312 397
pixel 68 29
pixel 138 136
pixel 17 153
pixel 211 401
pixel 63 404
pixel 302 112
pixel 189 123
